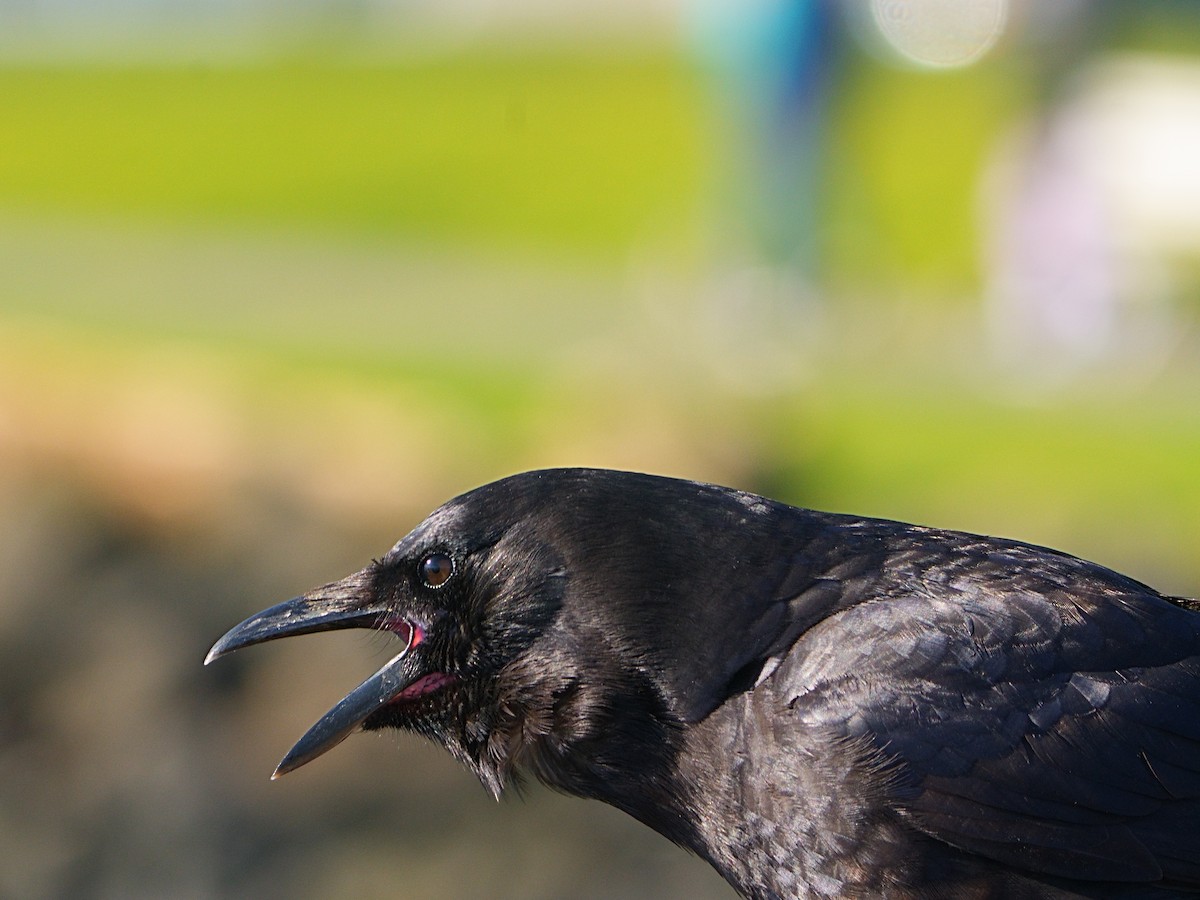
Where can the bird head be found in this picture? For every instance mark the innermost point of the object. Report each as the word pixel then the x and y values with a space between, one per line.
pixel 566 621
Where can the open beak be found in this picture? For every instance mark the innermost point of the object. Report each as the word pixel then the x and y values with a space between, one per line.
pixel 337 605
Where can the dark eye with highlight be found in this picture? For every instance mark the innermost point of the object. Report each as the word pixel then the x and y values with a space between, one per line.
pixel 436 569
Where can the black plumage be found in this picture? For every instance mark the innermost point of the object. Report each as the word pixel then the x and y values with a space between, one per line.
pixel 820 705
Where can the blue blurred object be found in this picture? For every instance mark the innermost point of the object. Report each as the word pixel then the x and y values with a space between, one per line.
pixel 774 65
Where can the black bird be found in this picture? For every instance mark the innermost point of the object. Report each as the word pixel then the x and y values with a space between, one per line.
pixel 819 705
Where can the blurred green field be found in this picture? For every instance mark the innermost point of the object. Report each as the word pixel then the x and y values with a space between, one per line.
pixel 568 152
pixel 546 152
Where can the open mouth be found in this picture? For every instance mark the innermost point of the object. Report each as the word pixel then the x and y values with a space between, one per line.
pixel 404 679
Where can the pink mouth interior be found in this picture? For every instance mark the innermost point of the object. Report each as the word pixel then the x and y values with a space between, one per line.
pixel 408 632
pixel 412 634
pixel 426 684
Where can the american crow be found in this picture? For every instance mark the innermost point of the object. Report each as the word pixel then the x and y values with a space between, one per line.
pixel 819 705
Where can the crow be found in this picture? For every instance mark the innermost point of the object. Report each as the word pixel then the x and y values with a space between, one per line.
pixel 819 705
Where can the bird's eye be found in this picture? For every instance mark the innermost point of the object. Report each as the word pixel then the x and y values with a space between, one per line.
pixel 436 569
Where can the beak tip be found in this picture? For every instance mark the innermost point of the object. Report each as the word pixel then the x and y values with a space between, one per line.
pixel 289 763
pixel 226 644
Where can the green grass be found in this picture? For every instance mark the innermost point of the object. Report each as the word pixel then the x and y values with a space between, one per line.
pixel 570 152
pixel 560 152
pixel 1098 470
pixel 907 149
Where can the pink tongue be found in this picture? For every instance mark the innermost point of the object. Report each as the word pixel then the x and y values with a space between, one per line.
pixel 426 684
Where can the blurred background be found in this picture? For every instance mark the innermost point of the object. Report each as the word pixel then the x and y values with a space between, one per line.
pixel 278 278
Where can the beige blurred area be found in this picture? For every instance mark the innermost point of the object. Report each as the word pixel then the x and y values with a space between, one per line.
pixel 274 283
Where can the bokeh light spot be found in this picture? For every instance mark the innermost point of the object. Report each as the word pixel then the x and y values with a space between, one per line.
pixel 940 33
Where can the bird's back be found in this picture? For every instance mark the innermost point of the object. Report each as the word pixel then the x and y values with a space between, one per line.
pixel 975 715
